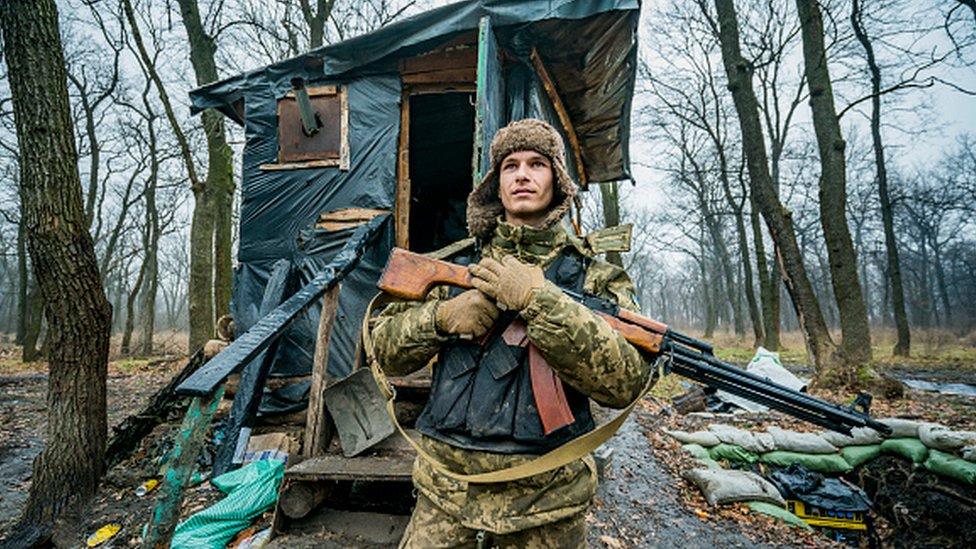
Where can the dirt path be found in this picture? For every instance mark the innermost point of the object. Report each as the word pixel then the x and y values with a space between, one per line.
pixel 638 502
pixel 21 407
pixel 23 417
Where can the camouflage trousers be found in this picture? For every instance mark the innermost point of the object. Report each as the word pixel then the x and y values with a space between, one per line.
pixel 430 528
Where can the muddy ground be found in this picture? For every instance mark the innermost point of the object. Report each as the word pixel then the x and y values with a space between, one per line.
pixel 641 502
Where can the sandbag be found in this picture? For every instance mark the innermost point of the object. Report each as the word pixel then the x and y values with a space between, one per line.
pixel 969 453
pixel 701 455
pixel 859 455
pixel 822 463
pixel 805 443
pixel 731 452
pixel 778 512
pixel 722 486
pixel 908 448
pixel 951 466
pixel 860 436
pixel 701 438
pixel 942 438
pixel 756 443
pixel 902 428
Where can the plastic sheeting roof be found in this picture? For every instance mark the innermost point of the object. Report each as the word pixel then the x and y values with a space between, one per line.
pixel 588 46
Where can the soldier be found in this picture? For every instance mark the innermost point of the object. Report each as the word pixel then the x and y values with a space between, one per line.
pixel 482 415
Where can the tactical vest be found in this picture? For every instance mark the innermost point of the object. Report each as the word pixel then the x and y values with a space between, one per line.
pixel 481 394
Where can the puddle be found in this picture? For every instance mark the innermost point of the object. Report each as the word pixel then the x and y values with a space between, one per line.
pixel 961 389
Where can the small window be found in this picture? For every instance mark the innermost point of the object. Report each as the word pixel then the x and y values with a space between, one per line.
pixel 328 145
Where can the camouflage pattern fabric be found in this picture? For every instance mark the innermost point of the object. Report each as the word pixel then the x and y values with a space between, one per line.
pixel 580 346
pixel 432 528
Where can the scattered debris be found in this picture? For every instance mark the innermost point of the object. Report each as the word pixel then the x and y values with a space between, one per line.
pixel 103 534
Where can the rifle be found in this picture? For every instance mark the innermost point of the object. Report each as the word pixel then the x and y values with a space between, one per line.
pixel 409 275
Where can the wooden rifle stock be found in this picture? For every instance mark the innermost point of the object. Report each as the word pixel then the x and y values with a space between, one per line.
pixel 410 275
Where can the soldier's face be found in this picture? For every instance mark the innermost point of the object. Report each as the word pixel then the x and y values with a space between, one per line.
pixel 525 187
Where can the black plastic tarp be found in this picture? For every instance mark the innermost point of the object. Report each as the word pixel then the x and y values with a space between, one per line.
pixel 589 47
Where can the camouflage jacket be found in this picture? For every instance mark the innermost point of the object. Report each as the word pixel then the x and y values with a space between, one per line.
pixel 582 348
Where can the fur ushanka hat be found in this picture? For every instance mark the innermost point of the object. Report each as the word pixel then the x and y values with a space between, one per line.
pixel 530 134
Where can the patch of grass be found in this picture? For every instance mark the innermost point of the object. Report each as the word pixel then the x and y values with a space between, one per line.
pixel 742 355
pixel 668 388
pixel 129 365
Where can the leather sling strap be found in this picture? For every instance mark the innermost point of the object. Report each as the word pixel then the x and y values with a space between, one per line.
pixel 563 455
pixel 547 389
pixel 548 393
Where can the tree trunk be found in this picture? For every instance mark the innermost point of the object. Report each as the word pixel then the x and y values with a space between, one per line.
pixel 23 279
pixel 216 197
pixel 856 336
pixel 34 315
pixel 147 298
pixel 130 305
pixel 778 219
pixel 904 343
pixel 67 472
pixel 316 21
pixel 201 291
pixel 940 280
pixel 767 288
pixel 610 198
pixel 740 232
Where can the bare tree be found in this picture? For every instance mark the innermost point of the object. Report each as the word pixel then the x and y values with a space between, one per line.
pixel 67 472
pixel 739 73
pixel 903 344
pixel 856 335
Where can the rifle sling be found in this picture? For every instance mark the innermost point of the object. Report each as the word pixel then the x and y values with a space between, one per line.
pixel 554 459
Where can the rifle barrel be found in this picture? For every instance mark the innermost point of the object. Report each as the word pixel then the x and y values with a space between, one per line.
pixel 711 371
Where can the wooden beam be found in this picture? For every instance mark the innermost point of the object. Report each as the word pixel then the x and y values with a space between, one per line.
pixel 464 74
pixel 442 87
pixel 299 498
pixel 247 398
pixel 562 113
pixel 182 462
pixel 344 129
pixel 318 432
pixel 402 208
pixel 316 91
pixel 327 163
pixel 346 218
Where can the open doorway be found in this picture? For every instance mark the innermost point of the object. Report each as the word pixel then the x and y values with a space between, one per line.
pixel 441 144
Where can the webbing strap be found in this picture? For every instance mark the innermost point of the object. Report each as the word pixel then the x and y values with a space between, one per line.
pixel 558 457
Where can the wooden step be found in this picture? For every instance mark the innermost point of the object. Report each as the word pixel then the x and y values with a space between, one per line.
pixel 390 460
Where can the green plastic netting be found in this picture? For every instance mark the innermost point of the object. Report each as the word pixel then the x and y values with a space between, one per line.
pixel 251 490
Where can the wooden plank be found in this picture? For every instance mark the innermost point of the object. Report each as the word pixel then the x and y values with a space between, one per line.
pixel 456 58
pixel 250 387
pixel 271 326
pixel 446 75
pixel 318 432
pixel 401 211
pixel 337 467
pixel 315 91
pixel 390 460
pixel 346 218
pixel 562 113
pixel 186 447
pixel 351 214
pixel 327 163
pixel 344 129
pixel 442 87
